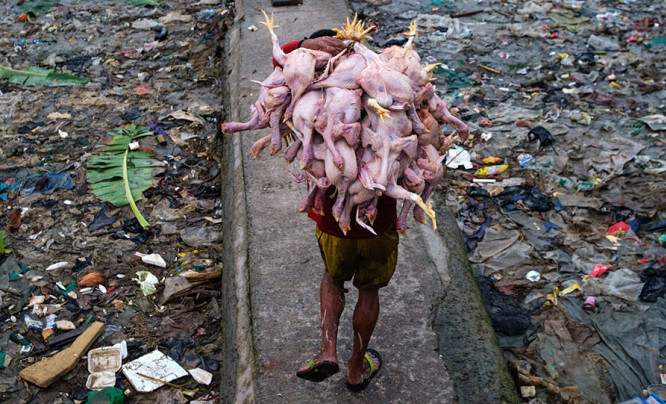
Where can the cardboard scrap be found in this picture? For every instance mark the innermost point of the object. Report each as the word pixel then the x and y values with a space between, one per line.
pixel 47 371
pixel 156 365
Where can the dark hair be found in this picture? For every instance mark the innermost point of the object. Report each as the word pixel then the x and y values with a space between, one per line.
pixel 322 32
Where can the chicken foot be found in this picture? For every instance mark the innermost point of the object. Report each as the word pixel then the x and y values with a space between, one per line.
pixel 419 215
pixel 397 192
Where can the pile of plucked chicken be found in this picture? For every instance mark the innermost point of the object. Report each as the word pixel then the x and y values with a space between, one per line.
pixel 366 123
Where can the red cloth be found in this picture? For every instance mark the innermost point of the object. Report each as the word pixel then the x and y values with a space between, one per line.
pixel 286 49
pixel 386 216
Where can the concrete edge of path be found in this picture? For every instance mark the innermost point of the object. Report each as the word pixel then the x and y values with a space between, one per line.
pixel 465 335
pixel 238 362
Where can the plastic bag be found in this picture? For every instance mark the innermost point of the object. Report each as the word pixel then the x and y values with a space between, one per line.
pixel 147 281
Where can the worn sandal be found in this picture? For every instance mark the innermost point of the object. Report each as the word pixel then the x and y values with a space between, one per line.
pixel 361 386
pixel 318 372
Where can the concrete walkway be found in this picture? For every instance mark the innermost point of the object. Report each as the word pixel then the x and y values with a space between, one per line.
pixel 273 267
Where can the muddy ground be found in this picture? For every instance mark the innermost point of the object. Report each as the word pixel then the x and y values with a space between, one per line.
pixel 591 73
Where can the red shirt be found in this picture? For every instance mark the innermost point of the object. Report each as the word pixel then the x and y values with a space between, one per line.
pixel 386 215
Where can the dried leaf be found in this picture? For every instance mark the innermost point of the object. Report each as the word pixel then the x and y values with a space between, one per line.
pixel 14 220
pixel 92 279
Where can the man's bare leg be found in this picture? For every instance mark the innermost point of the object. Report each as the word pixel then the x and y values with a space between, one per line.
pixel 332 303
pixel 364 320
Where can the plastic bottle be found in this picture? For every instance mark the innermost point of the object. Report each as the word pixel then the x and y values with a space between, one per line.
pixel 566 183
pixel 491 170
pixel 19 339
pixel 109 395
pixel 585 186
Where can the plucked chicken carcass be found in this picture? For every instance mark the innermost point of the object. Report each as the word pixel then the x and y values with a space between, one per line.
pixel 362 124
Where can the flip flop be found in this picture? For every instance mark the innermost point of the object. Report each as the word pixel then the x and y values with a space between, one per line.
pixel 318 372
pixel 361 386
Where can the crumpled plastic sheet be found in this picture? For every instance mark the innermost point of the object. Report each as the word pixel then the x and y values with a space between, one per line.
pixel 622 283
pixel 629 190
pixel 566 346
pixel 57 180
pixel 587 257
pixel 501 250
pixel 562 259
pixel 631 353
pixel 604 161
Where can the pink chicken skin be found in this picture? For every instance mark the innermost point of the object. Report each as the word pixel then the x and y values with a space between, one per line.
pixel 273 95
pixel 341 113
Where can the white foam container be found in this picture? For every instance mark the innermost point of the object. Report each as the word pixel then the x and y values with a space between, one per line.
pixel 103 363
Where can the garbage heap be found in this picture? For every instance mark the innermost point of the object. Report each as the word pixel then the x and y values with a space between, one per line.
pixel 107 104
pixel 560 196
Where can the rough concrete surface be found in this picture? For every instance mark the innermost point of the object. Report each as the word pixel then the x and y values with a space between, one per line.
pixel 276 260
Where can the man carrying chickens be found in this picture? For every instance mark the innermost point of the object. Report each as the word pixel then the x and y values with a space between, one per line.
pixel 367 132
pixel 366 258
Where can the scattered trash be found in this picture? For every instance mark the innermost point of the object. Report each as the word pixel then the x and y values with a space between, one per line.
pixel 598 270
pixel 491 170
pixel 541 134
pixel 47 371
pixel 108 395
pixel 147 281
pixel 533 276
pixel 142 372
pixel 201 376
pixel 655 283
pixel 92 279
pixel 590 303
pixel 57 265
pixel 526 159
pixel 459 157
pixel 66 252
pixel 103 363
pixel 152 259
pixel 65 325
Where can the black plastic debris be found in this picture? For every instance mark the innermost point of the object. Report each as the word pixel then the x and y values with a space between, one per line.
pixel 531 197
pixel 655 283
pixel 176 345
pixel 101 220
pixel 543 135
pixel 508 316
pixel 81 263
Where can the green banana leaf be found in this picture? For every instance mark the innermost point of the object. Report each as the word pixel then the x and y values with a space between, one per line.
pixel 4 242
pixel 36 6
pixel 36 76
pixel 119 175
pixel 143 3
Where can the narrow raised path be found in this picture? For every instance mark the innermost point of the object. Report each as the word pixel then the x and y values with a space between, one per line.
pixel 273 267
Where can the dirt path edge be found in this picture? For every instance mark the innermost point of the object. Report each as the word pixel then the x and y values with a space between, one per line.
pixel 465 334
pixel 238 361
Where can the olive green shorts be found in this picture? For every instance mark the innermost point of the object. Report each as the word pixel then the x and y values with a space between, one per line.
pixel 371 262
